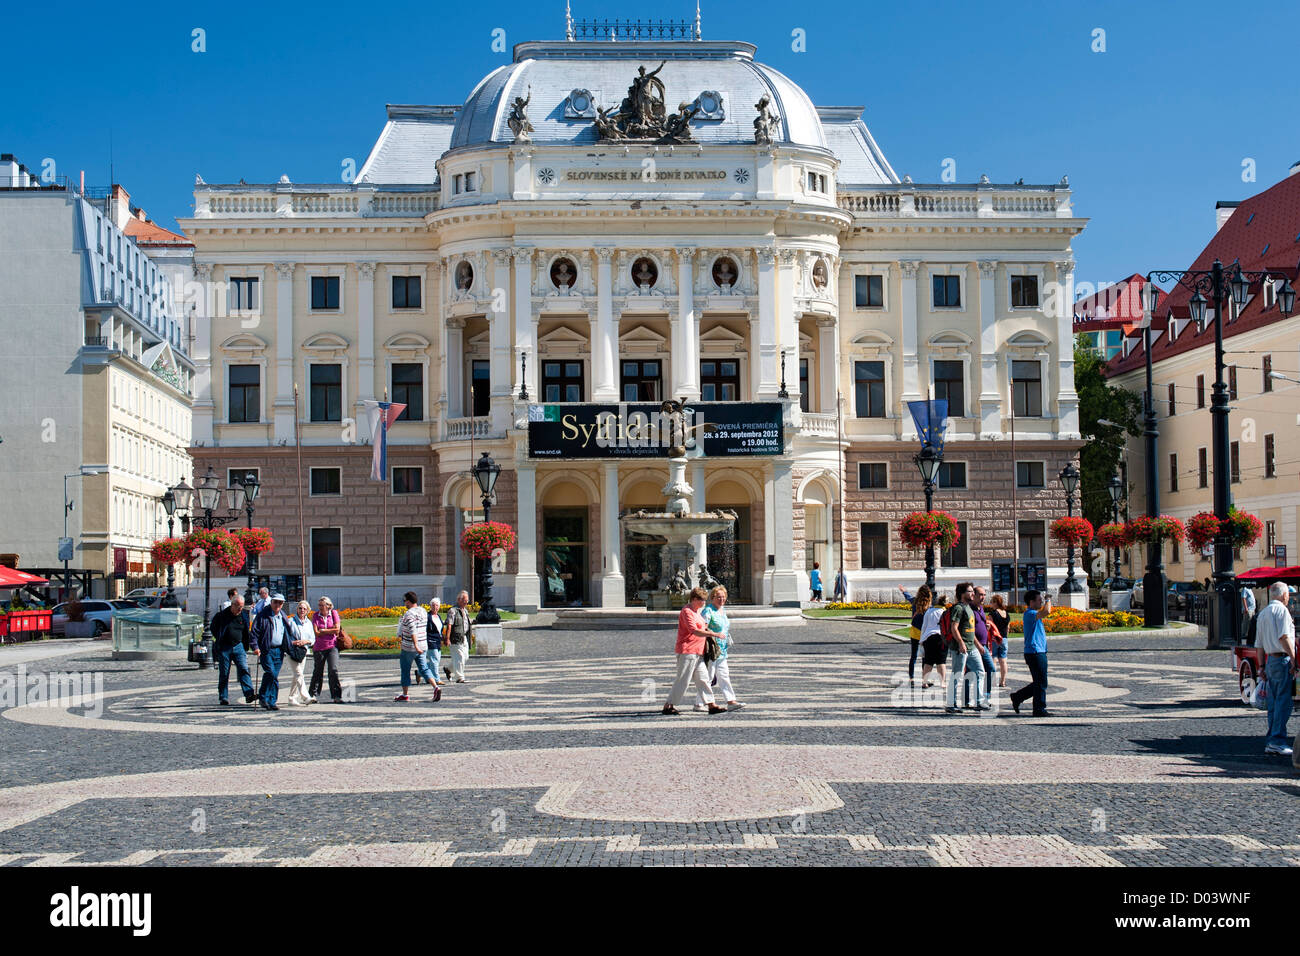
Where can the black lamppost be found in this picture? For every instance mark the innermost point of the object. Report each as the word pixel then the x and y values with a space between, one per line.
pixel 207 499
pixel 1154 612
pixel 928 461
pixel 169 505
pixel 1116 489
pixel 486 472
pixel 251 488
pixel 1218 284
pixel 1069 478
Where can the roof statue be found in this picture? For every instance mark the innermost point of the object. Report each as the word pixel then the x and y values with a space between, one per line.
pixel 642 114
pixel 518 121
pixel 765 122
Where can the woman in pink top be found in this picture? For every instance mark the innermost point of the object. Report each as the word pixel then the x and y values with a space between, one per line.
pixel 325 652
pixel 691 632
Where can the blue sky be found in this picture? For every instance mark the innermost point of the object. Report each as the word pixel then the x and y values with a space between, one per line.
pixel 1004 88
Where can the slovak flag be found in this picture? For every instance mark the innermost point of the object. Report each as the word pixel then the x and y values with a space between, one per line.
pixel 381 415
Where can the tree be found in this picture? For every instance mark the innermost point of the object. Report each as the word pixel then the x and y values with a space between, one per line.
pixel 1103 445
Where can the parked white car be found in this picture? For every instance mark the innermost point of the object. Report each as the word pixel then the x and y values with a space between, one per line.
pixel 100 612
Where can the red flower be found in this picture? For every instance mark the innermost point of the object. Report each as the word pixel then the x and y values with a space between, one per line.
pixel 1202 529
pixel 1114 536
pixel 1156 530
pixel 1075 531
pixel 222 546
pixel 255 540
pixel 485 537
pixel 168 551
pixel 921 529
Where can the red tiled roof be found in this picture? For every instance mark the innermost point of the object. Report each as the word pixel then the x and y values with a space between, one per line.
pixel 1117 306
pixel 147 232
pixel 1262 234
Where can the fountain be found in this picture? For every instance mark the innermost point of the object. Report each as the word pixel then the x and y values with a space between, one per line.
pixel 676 524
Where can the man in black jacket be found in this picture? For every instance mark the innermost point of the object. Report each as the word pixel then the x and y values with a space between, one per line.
pixel 231 637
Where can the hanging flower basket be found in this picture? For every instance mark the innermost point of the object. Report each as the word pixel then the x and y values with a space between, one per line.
pixel 483 538
pixel 1075 531
pixel 1156 530
pixel 1202 529
pixel 168 551
pixel 255 540
pixel 920 529
pixel 223 547
pixel 1113 536
pixel 1246 528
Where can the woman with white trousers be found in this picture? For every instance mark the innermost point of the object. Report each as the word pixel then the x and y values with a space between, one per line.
pixel 302 633
pixel 719 670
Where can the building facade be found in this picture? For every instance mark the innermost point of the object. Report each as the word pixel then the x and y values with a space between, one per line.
pixel 98 376
pixel 544 240
pixel 1262 233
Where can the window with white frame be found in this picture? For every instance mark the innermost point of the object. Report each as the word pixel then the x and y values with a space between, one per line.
pixel 946 291
pixel 868 292
pixel 1024 292
pixel 1027 389
pixel 243 294
pixel 326 481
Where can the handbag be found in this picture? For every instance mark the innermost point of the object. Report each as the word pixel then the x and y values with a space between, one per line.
pixel 297 654
pixel 711 650
pixel 344 640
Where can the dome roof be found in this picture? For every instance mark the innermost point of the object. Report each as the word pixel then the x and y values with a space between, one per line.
pixel 547 73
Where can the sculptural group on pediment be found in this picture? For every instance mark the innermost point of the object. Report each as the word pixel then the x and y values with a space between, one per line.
pixel 643 114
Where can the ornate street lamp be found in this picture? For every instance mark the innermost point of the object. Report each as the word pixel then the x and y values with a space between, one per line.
pixel 1116 489
pixel 206 496
pixel 486 472
pixel 1069 478
pixel 1216 282
pixel 169 505
pixel 247 490
pixel 928 462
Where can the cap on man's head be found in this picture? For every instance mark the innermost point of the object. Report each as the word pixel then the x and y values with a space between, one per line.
pixel 277 597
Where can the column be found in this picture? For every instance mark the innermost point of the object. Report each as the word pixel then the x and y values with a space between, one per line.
pixel 604 335
pixel 499 342
pixel 990 400
pixel 765 376
pixel 908 269
pixel 685 332
pixel 1067 400
pixel 455 367
pixel 792 264
pixel 525 324
pixel 612 593
pixel 785 583
pixel 365 331
pixel 698 504
pixel 282 408
pixel 828 364
pixel 528 585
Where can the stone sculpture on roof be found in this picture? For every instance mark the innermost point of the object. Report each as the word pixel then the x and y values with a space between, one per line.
pixel 518 120
pixel 643 116
pixel 765 122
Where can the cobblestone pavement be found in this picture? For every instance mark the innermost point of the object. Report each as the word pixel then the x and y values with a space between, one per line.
pixel 560 756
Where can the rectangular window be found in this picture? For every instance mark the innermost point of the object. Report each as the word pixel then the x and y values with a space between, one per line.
pixel 1031 474
pixel 1268 373
pixel 480 388
pixel 719 380
pixel 1175 553
pixel 326 550
pixel 245 382
pixel 408 550
pixel 1232 382
pixel 408 481
pixel 1024 292
pixel 875 544
pixel 949 385
pixel 326 393
pixel 947 292
pixel 1172 404
pixel 952 474
pixel 1200 391
pixel 958 555
pixel 1027 389
pixel 1270 539
pixel 406 292
pixel 325 292
pixel 1173 472
pixel 243 295
pixel 804 385
pixel 872 474
pixel 1033 540
pixel 455 184
pixel 408 389
pixel 469 182
pixel 1202 468
pixel 869 292
pixel 563 382
pixel 869 389
pixel 326 481
pixel 641 380
pixel 1236 462
pixel 1270 466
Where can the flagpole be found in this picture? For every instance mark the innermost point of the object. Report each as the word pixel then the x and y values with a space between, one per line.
pixel 387 532
pixel 302 537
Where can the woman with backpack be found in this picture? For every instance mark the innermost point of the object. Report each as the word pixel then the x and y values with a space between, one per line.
pixel 920 604
pixel 936 649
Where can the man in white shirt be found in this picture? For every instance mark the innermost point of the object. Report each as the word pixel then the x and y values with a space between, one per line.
pixel 456 635
pixel 1247 610
pixel 263 599
pixel 1275 636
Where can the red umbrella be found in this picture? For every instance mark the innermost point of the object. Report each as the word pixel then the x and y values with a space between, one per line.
pixel 9 578
pixel 1263 576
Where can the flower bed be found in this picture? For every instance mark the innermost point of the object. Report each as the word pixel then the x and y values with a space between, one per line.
pixel 355 613
pixel 1067 620
pixel 866 606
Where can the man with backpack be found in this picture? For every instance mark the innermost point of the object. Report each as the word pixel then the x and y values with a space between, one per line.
pixel 958 629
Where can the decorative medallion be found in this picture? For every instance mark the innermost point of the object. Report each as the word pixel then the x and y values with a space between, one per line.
pixel 643 116
pixel 742 176
pixel 724 273
pixel 580 105
pixel 645 273
pixel 464 276
pixel 563 274
pixel 546 176
pixel 710 104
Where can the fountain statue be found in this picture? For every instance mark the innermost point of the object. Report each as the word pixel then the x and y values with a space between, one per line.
pixel 676 524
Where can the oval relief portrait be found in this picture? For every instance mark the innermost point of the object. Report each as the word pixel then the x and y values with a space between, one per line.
pixel 563 274
pixel 725 273
pixel 464 276
pixel 645 273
